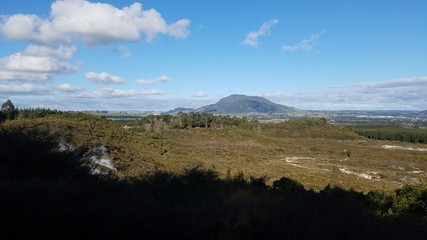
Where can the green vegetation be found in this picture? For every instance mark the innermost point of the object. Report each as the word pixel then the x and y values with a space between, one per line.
pixel 197 175
pixel 53 193
pixel 8 111
pixel 36 113
pixel 393 133
pixel 311 151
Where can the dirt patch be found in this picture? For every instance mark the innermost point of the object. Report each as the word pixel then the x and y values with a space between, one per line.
pixel 391 147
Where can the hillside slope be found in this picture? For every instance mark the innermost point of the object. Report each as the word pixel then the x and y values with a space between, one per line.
pixel 130 153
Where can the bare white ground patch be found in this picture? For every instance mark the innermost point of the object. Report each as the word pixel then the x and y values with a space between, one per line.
pixel 292 161
pixel 96 159
pixel 391 147
pixel 64 146
pixel 401 168
pixel 295 159
pixel 100 161
pixel 368 175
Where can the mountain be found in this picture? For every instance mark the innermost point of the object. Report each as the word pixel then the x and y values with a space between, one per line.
pixel 242 104
pixel 180 109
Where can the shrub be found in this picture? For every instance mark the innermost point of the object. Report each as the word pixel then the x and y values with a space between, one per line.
pixel 411 200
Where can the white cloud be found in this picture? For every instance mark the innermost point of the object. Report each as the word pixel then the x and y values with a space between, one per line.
pixel 93 23
pixel 31 28
pixel 306 44
pixel 179 29
pixel 103 78
pixel 400 94
pixel 145 81
pixel 200 94
pixel 252 37
pixel 66 87
pixel 37 64
pixel 119 93
pixel 61 52
pixel 163 78
pixel 397 83
pixel 270 94
pixel 124 51
pixel 24 88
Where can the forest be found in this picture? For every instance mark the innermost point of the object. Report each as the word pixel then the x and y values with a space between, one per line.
pixel 52 191
pixel 393 133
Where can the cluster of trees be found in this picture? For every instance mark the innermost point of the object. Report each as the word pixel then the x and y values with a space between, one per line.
pixel 393 133
pixel 205 120
pixel 36 112
pixel 191 120
pixel 10 112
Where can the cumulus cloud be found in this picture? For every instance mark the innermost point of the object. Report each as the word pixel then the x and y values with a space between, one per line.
pixel 252 37
pixel 163 78
pixel 37 64
pixel 24 88
pixel 66 87
pixel 103 78
pixel 306 44
pixel 200 94
pixel 93 23
pixel 31 28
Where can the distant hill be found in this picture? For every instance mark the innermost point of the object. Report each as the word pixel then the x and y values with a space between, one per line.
pixel 180 109
pixel 242 104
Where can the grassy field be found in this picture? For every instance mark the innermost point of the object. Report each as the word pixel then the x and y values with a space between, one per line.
pixel 341 158
pixel 67 174
pixel 312 152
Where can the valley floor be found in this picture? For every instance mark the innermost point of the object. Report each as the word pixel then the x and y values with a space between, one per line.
pixel 361 164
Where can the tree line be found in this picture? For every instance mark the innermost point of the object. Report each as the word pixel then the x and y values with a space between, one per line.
pixel 192 120
pixel 10 112
pixel 392 133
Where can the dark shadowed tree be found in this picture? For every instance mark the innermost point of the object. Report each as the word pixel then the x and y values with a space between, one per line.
pixel 8 110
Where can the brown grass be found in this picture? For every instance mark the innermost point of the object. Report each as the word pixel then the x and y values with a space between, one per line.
pixel 314 154
pixel 317 161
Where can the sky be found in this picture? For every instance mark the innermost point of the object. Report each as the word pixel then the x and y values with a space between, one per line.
pixel 156 55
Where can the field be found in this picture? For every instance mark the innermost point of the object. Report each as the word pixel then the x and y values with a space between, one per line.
pixel 312 152
pixel 313 155
pixel 64 174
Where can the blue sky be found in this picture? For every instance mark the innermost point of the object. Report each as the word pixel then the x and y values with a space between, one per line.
pixel 160 54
